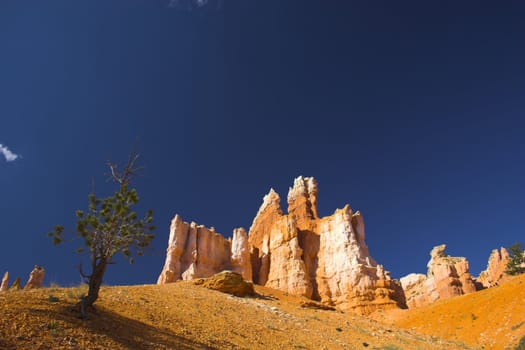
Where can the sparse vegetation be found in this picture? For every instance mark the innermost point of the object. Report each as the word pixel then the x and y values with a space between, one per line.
pixel 110 226
pixel 521 344
pixel 516 261
pixel 53 299
pixel 53 328
pixel 52 325
pixel 77 292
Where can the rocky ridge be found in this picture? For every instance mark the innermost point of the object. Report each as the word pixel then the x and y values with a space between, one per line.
pixel 446 277
pixel 495 271
pixel 195 251
pixel 324 259
pixel 450 276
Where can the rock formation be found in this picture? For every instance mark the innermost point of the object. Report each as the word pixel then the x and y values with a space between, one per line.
pixel 324 259
pixel 446 277
pixel 36 278
pixel 495 271
pixel 228 282
pixel 16 284
pixel 416 288
pixel 5 282
pixel 194 251
pixel 240 254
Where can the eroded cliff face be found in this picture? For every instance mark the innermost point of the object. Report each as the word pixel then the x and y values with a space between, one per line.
pixel 325 259
pixel 240 254
pixel 446 277
pixel 495 271
pixel 194 251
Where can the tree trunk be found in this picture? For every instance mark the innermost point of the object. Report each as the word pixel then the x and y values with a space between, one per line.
pixel 95 281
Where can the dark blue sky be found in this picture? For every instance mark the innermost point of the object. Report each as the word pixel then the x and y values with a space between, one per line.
pixel 411 112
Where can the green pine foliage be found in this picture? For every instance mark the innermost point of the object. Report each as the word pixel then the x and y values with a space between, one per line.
pixel 110 226
pixel 516 261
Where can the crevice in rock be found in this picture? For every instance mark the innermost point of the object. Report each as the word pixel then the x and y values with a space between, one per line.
pixel 255 260
pixel 264 271
pixel 309 243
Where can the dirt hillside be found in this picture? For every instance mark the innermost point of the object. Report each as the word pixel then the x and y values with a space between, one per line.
pixel 493 318
pixel 184 316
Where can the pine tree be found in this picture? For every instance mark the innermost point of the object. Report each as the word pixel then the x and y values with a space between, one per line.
pixel 516 260
pixel 110 226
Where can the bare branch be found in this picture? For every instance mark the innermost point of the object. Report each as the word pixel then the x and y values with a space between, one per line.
pixel 129 170
pixel 82 272
pixel 114 175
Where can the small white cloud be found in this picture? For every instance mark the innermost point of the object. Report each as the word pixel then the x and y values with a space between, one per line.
pixel 8 155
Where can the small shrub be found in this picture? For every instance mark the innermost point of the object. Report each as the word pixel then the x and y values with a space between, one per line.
pixel 473 317
pixel 53 299
pixel 54 329
pixel 77 292
pixel 52 325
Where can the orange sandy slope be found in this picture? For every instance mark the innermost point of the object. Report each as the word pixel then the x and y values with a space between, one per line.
pixel 493 318
pixel 184 316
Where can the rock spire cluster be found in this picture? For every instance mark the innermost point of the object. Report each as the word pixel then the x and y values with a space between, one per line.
pixel 36 279
pixel 324 259
pixel 446 277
